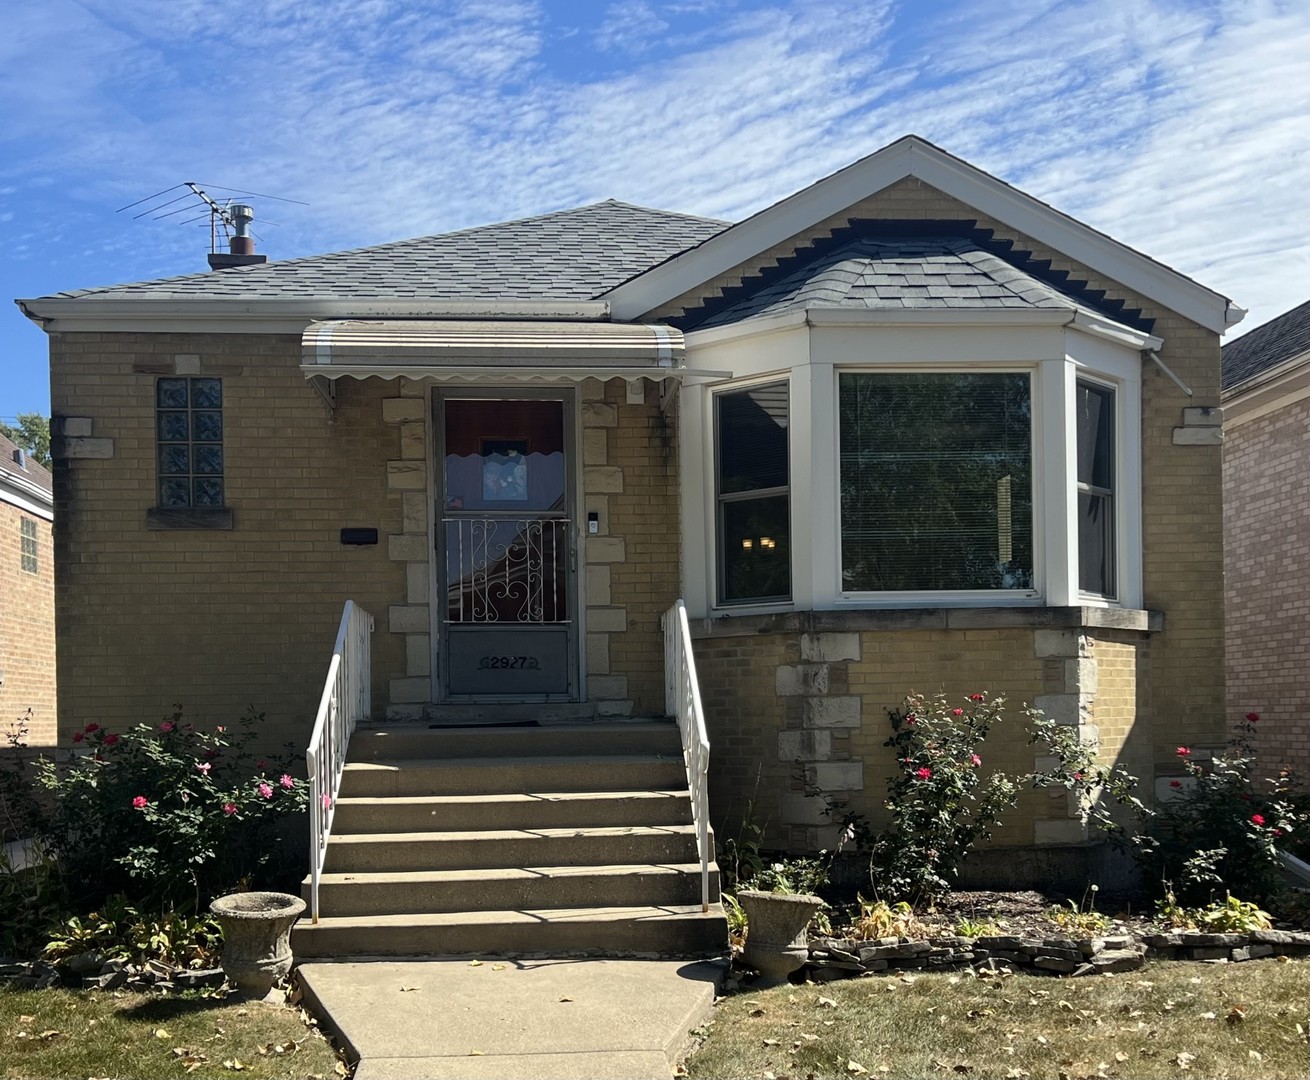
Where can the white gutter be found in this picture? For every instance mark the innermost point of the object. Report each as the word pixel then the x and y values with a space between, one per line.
pixel 61 313
pixel 29 497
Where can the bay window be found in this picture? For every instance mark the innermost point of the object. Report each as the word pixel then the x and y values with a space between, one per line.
pixel 1094 419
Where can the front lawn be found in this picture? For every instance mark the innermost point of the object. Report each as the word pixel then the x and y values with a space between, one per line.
pixel 57 1034
pixel 1244 1021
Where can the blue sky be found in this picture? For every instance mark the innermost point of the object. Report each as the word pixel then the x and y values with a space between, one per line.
pixel 1181 127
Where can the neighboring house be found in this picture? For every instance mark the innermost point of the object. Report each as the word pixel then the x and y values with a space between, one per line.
pixel 27 595
pixel 908 428
pixel 1266 396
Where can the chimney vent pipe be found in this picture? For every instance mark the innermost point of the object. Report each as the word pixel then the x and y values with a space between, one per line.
pixel 242 243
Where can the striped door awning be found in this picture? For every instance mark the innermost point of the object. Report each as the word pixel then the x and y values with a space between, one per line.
pixel 487 351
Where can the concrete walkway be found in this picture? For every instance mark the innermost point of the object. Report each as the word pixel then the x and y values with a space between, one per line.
pixel 456 1019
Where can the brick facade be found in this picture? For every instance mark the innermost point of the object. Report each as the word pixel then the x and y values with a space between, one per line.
pixel 1267 584
pixel 27 626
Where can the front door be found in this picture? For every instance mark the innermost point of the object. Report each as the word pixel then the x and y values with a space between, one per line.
pixel 506 556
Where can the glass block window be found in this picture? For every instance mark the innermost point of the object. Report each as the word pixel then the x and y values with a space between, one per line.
pixel 28 531
pixel 1094 407
pixel 935 482
pixel 189 419
pixel 754 507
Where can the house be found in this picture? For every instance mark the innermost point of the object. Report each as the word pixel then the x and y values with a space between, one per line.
pixel 1266 398
pixel 908 428
pixel 27 595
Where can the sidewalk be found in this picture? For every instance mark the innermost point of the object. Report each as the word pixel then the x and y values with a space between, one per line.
pixel 456 1019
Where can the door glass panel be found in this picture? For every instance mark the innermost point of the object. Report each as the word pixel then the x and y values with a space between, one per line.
pixel 504 456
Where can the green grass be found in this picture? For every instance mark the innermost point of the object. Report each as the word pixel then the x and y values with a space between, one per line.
pixel 62 1034
pixel 1241 1021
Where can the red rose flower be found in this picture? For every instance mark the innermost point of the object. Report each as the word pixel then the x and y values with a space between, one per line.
pixel 1175 783
pixel 923 773
pixel 139 802
pixel 1183 751
pixel 167 726
pixel 111 740
pixel 92 727
pixel 229 808
pixel 1252 717
pixel 975 697
pixel 78 736
pixel 1257 819
pixel 957 712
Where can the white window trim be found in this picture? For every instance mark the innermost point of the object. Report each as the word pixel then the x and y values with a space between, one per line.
pixel 815 453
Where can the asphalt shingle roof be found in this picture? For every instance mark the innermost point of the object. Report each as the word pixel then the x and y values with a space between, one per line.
pixel 31 469
pixel 893 273
pixel 1267 346
pixel 567 255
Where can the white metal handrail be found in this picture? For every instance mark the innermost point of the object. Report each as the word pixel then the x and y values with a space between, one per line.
pixel 347 699
pixel 682 700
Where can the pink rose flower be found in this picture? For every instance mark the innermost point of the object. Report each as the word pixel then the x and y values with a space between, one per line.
pixel 204 767
pixel 287 782
pixel 1184 751
pixel 229 808
pixel 326 799
pixel 975 759
pixel 1257 819
pixel 167 726
pixel 139 802
pixel 265 792
pixel 975 697
pixel 957 712
pixel 923 773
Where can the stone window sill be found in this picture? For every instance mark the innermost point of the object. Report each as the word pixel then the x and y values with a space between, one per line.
pixel 207 518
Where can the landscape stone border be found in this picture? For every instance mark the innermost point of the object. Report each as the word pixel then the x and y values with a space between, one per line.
pixel 842 958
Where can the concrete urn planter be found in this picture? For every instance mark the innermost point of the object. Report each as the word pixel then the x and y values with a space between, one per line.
pixel 256 938
pixel 775 932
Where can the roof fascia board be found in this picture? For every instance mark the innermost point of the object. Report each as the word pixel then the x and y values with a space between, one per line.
pixel 768 324
pixel 1268 397
pixel 913 157
pixel 278 316
pixel 28 497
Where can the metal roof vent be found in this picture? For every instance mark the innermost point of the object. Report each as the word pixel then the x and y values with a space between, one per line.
pixel 241 245
pixel 20 459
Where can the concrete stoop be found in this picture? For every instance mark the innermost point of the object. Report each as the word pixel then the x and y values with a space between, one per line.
pixel 524 840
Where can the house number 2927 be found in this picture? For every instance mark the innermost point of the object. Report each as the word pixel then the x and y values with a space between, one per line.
pixel 526 663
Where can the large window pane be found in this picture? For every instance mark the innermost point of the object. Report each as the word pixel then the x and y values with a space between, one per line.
pixel 936 482
pixel 1094 417
pixel 752 489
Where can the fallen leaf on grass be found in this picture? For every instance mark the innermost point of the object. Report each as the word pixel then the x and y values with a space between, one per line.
pixel 566 998
pixel 770 1042
pixel 161 1033
pixel 235 1065
pixel 1016 1073
pixel 476 1053
pixel 1207 1016
pixel 854 1067
pixel 1255 1055
pixel 27 1019
pixel 46 1036
pixel 409 989
pixel 1184 1060
pixel 756 1012
pixel 1120 1056
pixel 498 967
pixel 1236 1014
pixel 475 963
pixel 243 1012
pixel 827 1003
pixel 808 1037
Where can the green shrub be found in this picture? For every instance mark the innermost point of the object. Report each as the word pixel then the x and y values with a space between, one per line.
pixel 167 814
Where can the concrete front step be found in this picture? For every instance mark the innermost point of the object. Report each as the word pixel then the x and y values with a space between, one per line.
pixel 431 891
pixel 405 742
pixel 393 852
pixel 512 775
pixel 673 930
pixel 539 810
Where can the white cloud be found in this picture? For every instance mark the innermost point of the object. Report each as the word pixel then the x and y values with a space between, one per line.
pixel 1179 128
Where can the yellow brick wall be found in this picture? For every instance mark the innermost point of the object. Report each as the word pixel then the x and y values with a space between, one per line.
pixel 785 708
pixel 1181 685
pixel 27 629
pixel 217 620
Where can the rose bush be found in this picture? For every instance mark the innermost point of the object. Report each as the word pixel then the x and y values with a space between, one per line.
pixel 166 813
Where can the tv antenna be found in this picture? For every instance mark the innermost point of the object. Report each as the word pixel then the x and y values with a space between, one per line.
pixel 230 217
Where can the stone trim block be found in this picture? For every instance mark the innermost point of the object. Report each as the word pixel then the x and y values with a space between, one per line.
pixel 418 654
pixel 598 654
pixel 398 409
pixel 607 687
pixel 188 364
pixel 1198 436
pixel 599 414
pixel 595 447
pixel 413 443
pixel 832 776
pixel 1062 831
pixel 608 620
pixel 408 619
pixel 1059 643
pixel 410 547
pixel 70 449
pixel 1203 416
pixel 804 745
pixel 830 647
pixel 407 476
pixel 598 586
pixel 831 712
pixel 602 478
pixel 1080 676
pixel 414 513
pixel 413 388
pixel 614 708
pixel 417 583
pixel 606 549
pixel 1071 710
pixel 70 427
pixel 793 680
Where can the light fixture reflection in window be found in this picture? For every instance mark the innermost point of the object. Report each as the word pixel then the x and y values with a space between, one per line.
pixel 765 543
